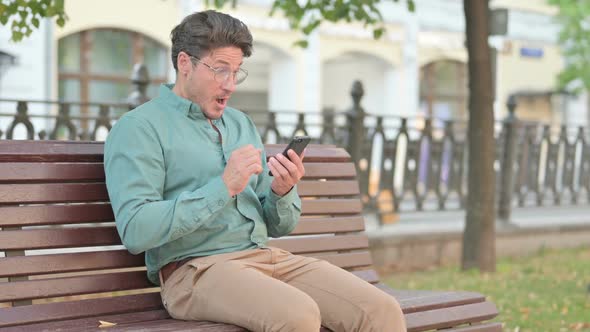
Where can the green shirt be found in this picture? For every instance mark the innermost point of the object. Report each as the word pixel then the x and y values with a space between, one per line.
pixel 163 165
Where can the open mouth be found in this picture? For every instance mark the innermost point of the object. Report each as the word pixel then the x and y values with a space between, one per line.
pixel 222 102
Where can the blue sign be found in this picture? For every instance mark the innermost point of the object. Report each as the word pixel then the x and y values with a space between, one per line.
pixel 531 52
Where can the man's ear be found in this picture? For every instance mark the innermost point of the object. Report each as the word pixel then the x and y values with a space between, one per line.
pixel 183 62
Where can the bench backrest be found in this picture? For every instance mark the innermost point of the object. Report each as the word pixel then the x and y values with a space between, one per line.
pixel 59 238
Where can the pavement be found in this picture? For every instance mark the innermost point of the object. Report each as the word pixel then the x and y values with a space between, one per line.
pixel 428 222
pixel 423 240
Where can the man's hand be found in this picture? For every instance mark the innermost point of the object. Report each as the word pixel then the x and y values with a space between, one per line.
pixel 286 171
pixel 243 163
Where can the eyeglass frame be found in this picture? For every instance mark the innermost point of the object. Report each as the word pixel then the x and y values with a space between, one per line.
pixel 216 71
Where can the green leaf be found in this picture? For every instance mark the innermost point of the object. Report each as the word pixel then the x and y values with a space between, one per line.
pixel 17 36
pixel 51 11
pixel 411 5
pixel 377 33
pixel 35 22
pixel 311 26
pixel 60 21
pixel 301 43
pixel 13 7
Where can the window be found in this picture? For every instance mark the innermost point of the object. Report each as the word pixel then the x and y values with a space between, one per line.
pixel 443 90
pixel 95 65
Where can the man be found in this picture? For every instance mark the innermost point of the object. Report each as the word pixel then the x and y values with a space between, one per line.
pixel 189 185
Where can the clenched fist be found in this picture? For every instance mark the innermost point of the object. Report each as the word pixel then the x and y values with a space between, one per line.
pixel 243 163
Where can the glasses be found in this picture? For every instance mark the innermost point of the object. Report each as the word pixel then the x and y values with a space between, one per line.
pixel 223 74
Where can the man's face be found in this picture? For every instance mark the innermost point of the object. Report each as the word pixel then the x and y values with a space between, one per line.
pixel 203 88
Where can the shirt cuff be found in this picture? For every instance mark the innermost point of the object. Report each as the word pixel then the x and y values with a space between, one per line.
pixel 285 201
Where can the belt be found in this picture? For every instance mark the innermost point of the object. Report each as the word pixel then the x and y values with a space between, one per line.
pixel 167 270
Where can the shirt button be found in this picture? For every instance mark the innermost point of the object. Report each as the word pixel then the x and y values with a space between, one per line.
pixel 220 203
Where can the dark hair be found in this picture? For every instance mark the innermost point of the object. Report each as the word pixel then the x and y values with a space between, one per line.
pixel 204 31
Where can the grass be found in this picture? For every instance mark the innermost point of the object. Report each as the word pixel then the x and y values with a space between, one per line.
pixel 548 291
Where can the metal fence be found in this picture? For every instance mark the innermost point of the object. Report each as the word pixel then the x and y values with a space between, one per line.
pixel 403 163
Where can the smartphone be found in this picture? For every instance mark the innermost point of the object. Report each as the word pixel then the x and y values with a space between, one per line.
pixel 297 144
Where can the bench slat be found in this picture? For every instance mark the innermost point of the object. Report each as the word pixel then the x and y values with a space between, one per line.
pixel 34 239
pixel 348 260
pixel 39 313
pixel 329 225
pixel 486 327
pixel 91 324
pixel 98 212
pixel 51 172
pixel 331 206
pixel 93 192
pixel 115 259
pixel 155 320
pixel 47 151
pixel 176 325
pixel 159 319
pixel 61 151
pixel 421 300
pixel 59 238
pixel 328 188
pixel 11 172
pixel 367 275
pixel 55 214
pixel 171 325
pixel 449 317
pixel 70 262
pixel 52 193
pixel 321 243
pixel 46 288
pixel 329 170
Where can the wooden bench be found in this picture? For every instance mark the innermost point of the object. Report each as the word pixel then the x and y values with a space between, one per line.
pixel 65 267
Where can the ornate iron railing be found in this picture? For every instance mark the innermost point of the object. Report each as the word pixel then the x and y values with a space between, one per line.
pixel 403 163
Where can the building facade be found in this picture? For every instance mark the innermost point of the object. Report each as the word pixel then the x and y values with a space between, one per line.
pixel 418 68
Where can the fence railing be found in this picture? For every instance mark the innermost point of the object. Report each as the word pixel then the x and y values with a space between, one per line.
pixel 404 163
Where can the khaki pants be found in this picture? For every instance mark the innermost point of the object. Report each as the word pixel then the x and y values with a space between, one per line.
pixel 270 289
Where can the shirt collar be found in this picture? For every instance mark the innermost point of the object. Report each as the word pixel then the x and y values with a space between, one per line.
pixel 178 103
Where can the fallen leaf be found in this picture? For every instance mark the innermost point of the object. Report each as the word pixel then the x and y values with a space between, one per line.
pixel 579 326
pixel 525 310
pixel 104 324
